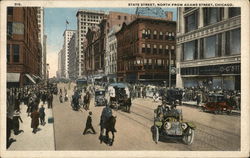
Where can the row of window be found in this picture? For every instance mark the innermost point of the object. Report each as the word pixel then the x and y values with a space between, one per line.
pixel 119 17
pixel 146 48
pixel 92 17
pixel 211 16
pixel 212 46
pixel 146 34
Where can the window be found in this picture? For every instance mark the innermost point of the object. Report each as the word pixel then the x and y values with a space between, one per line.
pixel 143 48
pixel 160 49
pixel 119 17
pixel 166 49
pixel 15 52
pixel 212 15
pixel 125 17
pixel 155 49
pixel 233 42
pixel 144 33
pixel 166 36
pixel 8 53
pixel 161 36
pixel 10 10
pixel 234 11
pixel 172 37
pixel 148 48
pixel 190 50
pixel 191 22
pixel 9 28
pixel 172 49
pixel 155 34
pixel 211 46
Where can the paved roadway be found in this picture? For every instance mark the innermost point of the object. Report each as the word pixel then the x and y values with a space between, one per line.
pixel 213 133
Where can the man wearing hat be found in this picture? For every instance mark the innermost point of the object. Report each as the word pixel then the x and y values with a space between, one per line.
pixel 89 124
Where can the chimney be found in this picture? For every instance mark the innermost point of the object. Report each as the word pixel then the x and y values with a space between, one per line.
pixel 169 15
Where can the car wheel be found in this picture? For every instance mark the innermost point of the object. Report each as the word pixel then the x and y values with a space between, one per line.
pixel 188 137
pixel 156 134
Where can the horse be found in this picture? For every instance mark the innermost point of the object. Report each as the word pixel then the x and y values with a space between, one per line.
pixel 109 126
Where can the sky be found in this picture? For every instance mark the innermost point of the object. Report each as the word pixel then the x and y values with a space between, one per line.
pixel 55 25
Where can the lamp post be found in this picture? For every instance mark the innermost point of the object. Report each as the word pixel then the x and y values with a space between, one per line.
pixel 169 70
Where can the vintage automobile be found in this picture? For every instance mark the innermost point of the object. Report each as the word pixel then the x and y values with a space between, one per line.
pixel 168 123
pixel 172 95
pixel 217 103
pixel 119 96
pixel 100 99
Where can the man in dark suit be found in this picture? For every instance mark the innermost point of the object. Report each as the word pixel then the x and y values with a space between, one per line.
pixel 89 124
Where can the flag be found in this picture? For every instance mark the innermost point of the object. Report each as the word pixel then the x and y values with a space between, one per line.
pixel 67 22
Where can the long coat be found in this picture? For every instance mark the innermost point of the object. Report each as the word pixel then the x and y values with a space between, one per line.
pixel 34 119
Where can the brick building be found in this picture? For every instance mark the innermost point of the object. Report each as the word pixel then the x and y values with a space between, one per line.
pixel 146 50
pixel 23 49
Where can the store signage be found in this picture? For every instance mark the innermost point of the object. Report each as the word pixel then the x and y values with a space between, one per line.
pixel 212 70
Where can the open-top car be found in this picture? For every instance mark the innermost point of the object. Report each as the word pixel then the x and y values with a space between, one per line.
pixel 100 99
pixel 168 123
pixel 217 103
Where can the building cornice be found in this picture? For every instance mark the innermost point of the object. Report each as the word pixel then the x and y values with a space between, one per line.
pixel 212 61
pixel 209 30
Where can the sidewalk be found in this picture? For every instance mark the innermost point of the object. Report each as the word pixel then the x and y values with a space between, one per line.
pixel 42 140
pixel 194 105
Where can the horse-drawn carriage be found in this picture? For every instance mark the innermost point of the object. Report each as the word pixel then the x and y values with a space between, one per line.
pixel 168 123
pixel 119 96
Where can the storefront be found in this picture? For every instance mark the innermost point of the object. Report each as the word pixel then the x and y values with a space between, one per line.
pixel 225 77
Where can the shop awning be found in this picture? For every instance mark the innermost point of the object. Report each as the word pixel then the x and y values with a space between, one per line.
pixel 13 77
pixel 30 78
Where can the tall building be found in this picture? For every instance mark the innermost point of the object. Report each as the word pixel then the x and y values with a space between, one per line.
pixel 111 54
pixel 23 46
pixel 92 61
pixel 65 64
pixel 59 69
pixel 110 23
pixel 208 48
pixel 72 57
pixel 42 40
pixel 85 20
pixel 146 50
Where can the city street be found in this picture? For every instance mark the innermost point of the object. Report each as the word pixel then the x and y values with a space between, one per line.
pixel 213 132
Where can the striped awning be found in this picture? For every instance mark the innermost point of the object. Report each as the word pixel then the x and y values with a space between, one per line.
pixel 30 78
pixel 13 77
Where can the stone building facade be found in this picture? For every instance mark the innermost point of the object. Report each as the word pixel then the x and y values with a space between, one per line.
pixel 208 48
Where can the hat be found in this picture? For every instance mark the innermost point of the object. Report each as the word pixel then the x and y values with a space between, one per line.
pixel 90 113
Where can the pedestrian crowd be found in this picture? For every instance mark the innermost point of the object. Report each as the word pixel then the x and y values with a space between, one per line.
pixel 34 97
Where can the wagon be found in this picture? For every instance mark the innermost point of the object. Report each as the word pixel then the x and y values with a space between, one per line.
pixel 119 96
